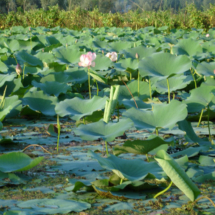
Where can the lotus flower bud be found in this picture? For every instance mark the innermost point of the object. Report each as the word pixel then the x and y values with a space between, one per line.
pixel 76 41
pixel 137 56
pixel 214 72
pixel 207 35
pixel 29 29
pixel 18 69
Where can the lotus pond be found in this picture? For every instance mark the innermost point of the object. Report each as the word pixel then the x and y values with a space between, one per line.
pixel 107 121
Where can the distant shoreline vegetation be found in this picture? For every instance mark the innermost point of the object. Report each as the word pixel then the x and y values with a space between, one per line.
pixel 187 18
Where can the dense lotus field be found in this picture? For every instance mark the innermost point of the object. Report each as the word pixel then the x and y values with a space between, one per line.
pixel 107 121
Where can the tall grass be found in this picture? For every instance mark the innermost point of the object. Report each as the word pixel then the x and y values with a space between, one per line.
pixel 78 18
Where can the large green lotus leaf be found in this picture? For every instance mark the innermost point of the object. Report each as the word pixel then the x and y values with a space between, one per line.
pixel 133 170
pixel 102 63
pixel 127 64
pixel 76 75
pixel 200 97
pixel 119 46
pixel 164 65
pixel 206 69
pixel 162 115
pixel 6 77
pixel 68 40
pixel 77 108
pixel 176 82
pixel 3 67
pixel 17 161
pixel 38 101
pixel 45 57
pixel 101 45
pixel 54 206
pixel 10 178
pixel 106 131
pixel 98 77
pixel 177 175
pixel 68 55
pixel 188 47
pixel 52 87
pixel 133 87
pixel 12 45
pixel 142 52
pixel 28 59
pixel 10 103
pixel 60 77
pixel 190 134
pixel 129 103
pixel 140 146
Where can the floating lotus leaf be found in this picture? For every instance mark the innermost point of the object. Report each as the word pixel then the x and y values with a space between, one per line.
pixel 106 131
pixel 176 82
pixel 53 206
pixel 206 69
pixel 142 52
pixel 187 47
pixel 140 146
pixel 162 115
pixel 177 175
pixel 164 65
pixel 132 170
pixel 133 87
pixel 28 59
pixel 38 101
pixel 199 98
pixel 52 87
pixel 17 161
pixel 77 108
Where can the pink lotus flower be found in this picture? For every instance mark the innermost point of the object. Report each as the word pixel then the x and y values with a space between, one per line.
pixel 112 56
pixel 207 35
pixel 86 60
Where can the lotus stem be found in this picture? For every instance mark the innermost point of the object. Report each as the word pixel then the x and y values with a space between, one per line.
pixel 84 121
pixel 130 76
pixel 89 82
pixel 118 110
pixel 209 131
pixel 23 76
pixel 173 96
pixel 204 197
pixel 58 128
pixel 106 145
pixel 147 157
pixel 150 90
pixel 34 146
pixel 156 131
pixel 138 87
pixel 193 77
pixel 163 191
pixel 121 180
pixel 97 88
pixel 200 118
pixel 3 99
pixel 167 80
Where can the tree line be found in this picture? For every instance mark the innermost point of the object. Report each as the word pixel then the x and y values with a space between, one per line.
pixel 104 6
